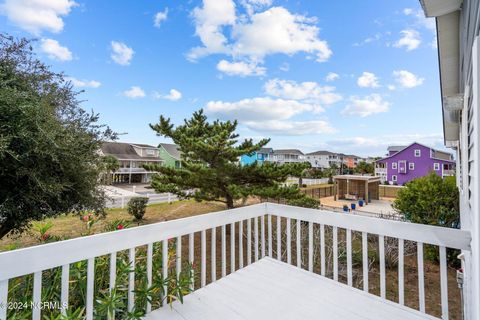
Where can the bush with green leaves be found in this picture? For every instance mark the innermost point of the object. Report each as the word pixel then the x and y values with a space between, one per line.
pixel 305 202
pixel 434 201
pixel 48 143
pixel 137 207
pixel 107 304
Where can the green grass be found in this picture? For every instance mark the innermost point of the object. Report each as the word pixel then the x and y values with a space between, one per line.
pixel 70 226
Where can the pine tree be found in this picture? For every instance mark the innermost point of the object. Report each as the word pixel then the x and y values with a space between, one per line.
pixel 210 168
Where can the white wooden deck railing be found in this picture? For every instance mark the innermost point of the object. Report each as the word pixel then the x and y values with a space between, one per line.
pixel 271 234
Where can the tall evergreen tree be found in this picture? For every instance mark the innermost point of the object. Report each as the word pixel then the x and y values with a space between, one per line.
pixel 210 168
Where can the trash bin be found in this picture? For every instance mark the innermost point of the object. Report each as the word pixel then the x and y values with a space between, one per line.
pixel 352 206
pixel 360 203
pixel 345 208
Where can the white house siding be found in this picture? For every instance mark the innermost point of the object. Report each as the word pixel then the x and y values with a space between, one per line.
pixel 469 150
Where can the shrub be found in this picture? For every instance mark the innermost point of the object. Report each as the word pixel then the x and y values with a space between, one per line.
pixel 137 207
pixel 21 288
pixel 431 200
pixel 118 224
pixel 305 202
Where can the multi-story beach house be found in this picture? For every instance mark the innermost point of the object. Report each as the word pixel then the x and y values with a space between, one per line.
pixel 132 157
pixel 260 156
pixel 405 163
pixel 281 156
pixel 170 154
pixel 325 159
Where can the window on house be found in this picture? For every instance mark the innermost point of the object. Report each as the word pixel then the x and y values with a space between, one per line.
pixel 436 166
pixel 394 165
pixel 411 166
pixel 150 152
pixel 394 178
pixel 417 153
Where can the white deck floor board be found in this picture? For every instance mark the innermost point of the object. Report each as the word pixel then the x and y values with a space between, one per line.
pixel 269 289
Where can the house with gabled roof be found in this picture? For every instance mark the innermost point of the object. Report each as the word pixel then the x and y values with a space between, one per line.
pixel 171 155
pixel 132 157
pixel 405 163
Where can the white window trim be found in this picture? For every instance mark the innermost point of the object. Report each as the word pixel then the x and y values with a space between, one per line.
pixel 394 178
pixel 419 153
pixel 436 166
pixel 394 165
pixel 411 166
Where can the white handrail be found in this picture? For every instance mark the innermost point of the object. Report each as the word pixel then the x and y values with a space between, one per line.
pixel 446 237
pixel 29 260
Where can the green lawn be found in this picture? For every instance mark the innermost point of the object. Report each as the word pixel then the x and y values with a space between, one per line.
pixel 70 226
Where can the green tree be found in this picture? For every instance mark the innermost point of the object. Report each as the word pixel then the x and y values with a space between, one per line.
pixel 299 170
pixel 210 168
pixel 364 168
pixel 110 165
pixel 430 200
pixel 48 143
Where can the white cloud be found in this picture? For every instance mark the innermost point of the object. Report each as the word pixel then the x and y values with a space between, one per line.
pixel 368 80
pixel 160 17
pixel 407 79
pixel 252 6
pixel 292 128
pixel 332 76
pixel 55 51
pixel 134 92
pixel 36 16
pixel 410 40
pixel 366 106
pixel 173 95
pixel 421 20
pixel 308 91
pixel 121 53
pixel 209 21
pixel 240 68
pixel 378 145
pixel 263 108
pixel 391 87
pixel 275 30
pixel 84 83
pixel 284 67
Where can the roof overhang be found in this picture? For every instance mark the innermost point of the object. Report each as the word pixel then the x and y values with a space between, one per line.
pixel 447 16
pixel 436 8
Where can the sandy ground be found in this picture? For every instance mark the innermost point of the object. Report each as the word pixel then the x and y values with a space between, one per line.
pixel 382 207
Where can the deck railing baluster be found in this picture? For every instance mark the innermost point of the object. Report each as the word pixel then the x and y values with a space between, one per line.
pixel 149 272
pixel 335 253
pixel 255 220
pixel 349 257
pixel 444 281
pixel 289 242
pixel 322 250
pixel 381 253
pixel 213 254
pixel 203 257
pixel 401 290
pixel 421 280
pixel 279 238
pixel 224 251
pixel 270 241
pixel 365 260
pixel 232 247
pixel 310 246
pixel 90 287
pixel 249 241
pixel 64 289
pixel 131 279
pixel 37 295
pixel 299 243
pixel 240 244
pixel 179 256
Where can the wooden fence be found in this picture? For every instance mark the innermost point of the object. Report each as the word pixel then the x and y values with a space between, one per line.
pixel 328 191
pixel 389 191
pixel 319 192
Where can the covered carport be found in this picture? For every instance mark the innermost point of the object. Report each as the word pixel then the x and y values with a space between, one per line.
pixel 356 187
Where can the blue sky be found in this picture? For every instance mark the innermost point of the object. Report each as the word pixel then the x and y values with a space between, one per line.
pixel 347 76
